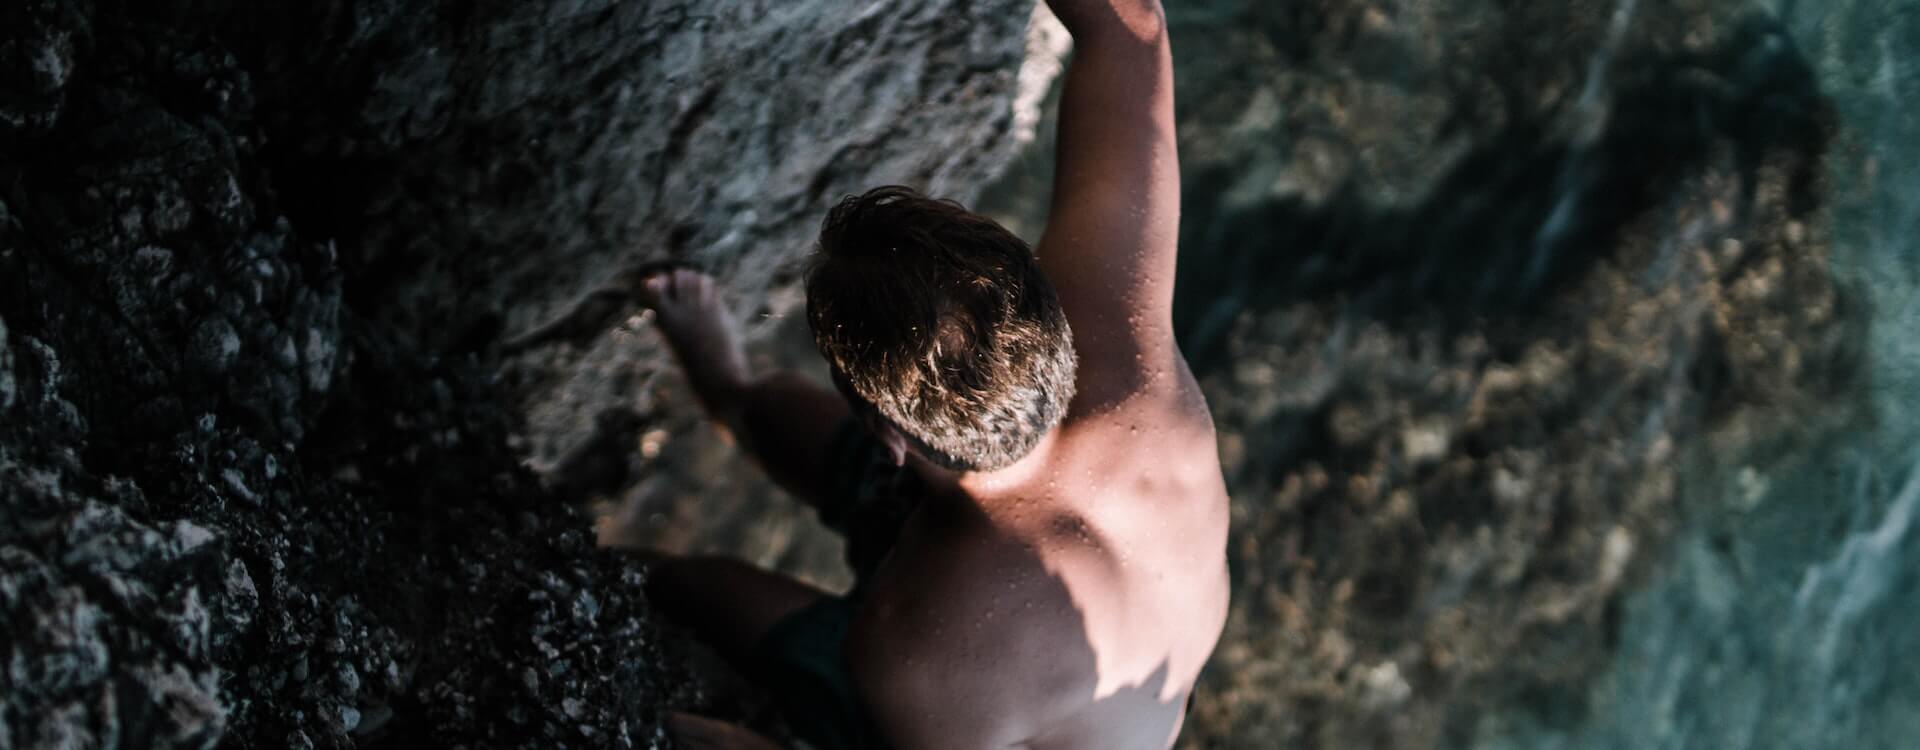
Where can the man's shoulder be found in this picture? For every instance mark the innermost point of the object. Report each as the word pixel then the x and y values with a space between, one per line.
pixel 1163 416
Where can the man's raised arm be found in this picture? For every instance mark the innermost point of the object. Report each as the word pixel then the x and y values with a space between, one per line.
pixel 1110 241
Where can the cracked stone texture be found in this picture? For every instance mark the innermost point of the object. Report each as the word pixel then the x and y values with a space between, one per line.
pixel 266 275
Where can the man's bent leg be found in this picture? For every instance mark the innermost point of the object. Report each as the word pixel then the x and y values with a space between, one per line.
pixel 730 605
pixel 692 732
pixel 785 635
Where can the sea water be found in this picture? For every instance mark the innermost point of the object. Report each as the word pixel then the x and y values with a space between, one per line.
pixel 1786 614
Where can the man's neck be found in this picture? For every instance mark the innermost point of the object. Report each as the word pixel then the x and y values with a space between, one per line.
pixel 992 490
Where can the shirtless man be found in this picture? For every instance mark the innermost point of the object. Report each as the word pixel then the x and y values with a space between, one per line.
pixel 1023 464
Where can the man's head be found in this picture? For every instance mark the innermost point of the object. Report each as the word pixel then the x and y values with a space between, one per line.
pixel 941 322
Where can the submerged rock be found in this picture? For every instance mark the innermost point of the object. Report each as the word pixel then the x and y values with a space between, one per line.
pixel 1532 288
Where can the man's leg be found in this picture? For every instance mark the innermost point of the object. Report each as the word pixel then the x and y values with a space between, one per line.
pixel 692 732
pixel 729 604
pixel 789 425
pixel 786 422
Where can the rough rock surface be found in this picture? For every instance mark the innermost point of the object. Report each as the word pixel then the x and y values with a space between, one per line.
pixel 261 268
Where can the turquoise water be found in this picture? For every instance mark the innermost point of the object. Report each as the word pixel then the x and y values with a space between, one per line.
pixel 1786 615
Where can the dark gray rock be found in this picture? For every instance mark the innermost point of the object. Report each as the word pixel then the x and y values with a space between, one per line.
pixel 256 260
pixel 7 386
pixel 36 64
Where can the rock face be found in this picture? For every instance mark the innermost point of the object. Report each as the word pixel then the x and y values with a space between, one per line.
pixel 261 268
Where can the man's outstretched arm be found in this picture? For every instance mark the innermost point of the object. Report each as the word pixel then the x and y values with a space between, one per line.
pixel 1110 242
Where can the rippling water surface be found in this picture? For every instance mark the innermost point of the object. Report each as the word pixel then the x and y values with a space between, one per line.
pixel 1784 619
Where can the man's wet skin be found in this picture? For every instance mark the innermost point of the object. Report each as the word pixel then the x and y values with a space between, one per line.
pixel 1068 600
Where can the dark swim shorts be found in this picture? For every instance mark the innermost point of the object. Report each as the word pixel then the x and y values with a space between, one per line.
pixel 800 660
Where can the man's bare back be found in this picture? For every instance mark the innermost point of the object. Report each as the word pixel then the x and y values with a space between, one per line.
pixel 1070 603
pixel 1071 598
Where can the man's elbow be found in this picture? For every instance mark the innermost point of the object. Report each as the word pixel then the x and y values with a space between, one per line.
pixel 1132 22
pixel 1145 21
